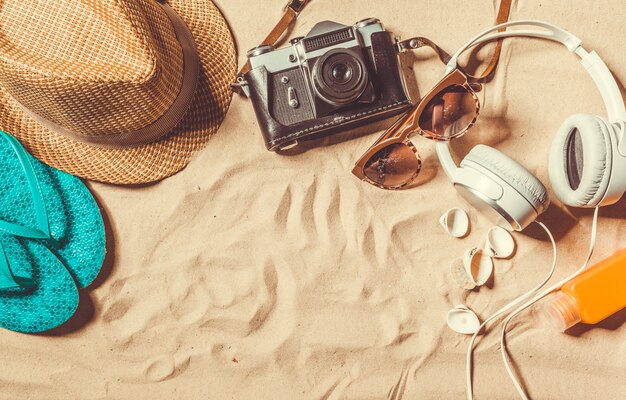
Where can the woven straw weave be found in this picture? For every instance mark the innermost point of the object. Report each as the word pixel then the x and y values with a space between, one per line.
pixel 106 67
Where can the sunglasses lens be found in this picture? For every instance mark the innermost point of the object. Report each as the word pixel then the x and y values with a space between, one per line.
pixel 393 166
pixel 449 113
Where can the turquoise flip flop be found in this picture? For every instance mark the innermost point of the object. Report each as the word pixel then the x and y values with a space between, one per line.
pixel 37 293
pixel 42 203
pixel 8 280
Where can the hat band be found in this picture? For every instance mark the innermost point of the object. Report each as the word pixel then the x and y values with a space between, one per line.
pixel 168 121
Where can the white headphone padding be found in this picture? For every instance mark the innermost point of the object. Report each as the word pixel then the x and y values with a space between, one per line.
pixel 512 172
pixel 602 167
pixel 596 157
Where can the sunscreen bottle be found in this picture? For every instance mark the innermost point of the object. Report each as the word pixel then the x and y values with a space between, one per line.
pixel 592 296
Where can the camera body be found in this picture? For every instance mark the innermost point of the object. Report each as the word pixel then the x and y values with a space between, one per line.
pixel 335 78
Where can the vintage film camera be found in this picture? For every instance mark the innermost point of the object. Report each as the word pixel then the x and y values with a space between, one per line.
pixel 335 78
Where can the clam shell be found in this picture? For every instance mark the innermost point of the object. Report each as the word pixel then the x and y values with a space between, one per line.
pixel 463 320
pixel 500 243
pixel 460 275
pixel 478 265
pixel 456 222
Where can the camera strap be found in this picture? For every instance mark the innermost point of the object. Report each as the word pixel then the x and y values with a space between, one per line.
pixel 290 14
pixel 294 7
pixel 502 17
pixel 417 42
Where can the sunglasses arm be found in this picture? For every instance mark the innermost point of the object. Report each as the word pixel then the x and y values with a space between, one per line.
pixel 446 160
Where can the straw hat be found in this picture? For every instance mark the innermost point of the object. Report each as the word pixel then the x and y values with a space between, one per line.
pixel 120 91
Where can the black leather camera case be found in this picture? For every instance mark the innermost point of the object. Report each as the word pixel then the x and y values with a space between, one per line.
pixel 391 100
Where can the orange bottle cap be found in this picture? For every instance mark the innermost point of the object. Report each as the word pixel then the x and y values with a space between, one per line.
pixel 561 311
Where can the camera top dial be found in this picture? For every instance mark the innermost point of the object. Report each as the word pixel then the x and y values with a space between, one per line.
pixel 367 22
pixel 258 50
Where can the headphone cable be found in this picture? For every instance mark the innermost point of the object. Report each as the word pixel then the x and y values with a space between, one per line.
pixel 501 311
pixel 557 286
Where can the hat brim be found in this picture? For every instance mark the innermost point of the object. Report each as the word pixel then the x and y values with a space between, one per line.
pixel 170 154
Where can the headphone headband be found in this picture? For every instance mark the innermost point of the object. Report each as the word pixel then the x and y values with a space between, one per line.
pixel 554 33
pixel 593 64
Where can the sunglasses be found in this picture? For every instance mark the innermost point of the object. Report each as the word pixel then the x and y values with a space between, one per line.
pixel 448 111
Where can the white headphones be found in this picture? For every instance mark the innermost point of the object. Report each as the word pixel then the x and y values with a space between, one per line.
pixel 587 166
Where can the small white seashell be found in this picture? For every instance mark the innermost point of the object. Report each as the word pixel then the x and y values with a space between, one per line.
pixel 460 275
pixel 500 243
pixel 463 320
pixel 478 265
pixel 456 222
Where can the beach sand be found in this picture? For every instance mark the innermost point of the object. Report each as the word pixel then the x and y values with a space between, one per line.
pixel 251 275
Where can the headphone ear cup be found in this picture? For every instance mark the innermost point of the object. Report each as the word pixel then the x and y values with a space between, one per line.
pixel 501 188
pixel 513 173
pixel 580 160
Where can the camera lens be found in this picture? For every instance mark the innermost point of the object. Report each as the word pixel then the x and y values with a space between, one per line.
pixel 340 76
pixel 341 73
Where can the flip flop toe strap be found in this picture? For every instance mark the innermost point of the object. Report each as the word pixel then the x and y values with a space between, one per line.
pixel 7 279
pixel 42 231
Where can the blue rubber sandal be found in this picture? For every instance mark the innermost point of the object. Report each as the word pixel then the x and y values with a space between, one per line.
pixel 8 280
pixel 37 293
pixel 42 203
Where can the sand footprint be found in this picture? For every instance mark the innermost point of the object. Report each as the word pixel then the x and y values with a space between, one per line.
pixel 164 367
pixel 282 211
pixel 160 369
pixel 338 390
pixel 274 319
pixel 116 310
